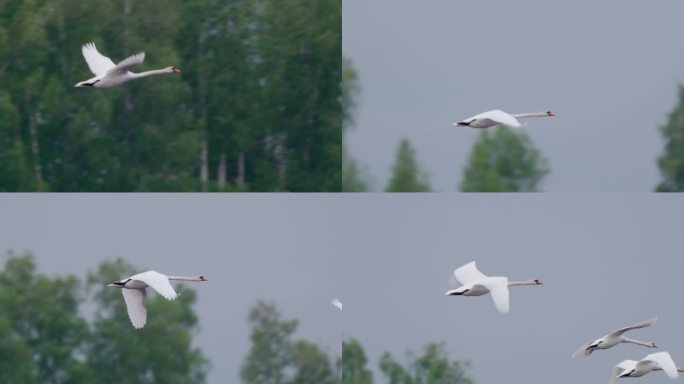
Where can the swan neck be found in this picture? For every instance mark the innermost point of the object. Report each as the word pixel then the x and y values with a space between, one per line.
pixel 186 278
pixel 633 341
pixel 531 114
pixel 150 73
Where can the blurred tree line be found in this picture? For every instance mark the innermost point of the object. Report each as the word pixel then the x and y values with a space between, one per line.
pixel 258 106
pixel 44 338
pixel 432 366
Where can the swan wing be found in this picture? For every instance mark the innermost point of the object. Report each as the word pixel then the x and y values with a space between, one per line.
pixel 98 64
pixel 135 304
pixel 621 367
pixel 501 117
pixel 583 351
pixel 337 303
pixel 159 282
pixel 126 64
pixel 662 360
pixel 498 287
pixel 643 324
pixel 468 274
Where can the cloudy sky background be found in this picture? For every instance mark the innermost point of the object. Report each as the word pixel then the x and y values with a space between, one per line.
pixel 608 69
pixel 606 261
pixel 251 247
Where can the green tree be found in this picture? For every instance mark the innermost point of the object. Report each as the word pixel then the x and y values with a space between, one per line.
pixel 505 161
pixel 407 175
pixel 355 177
pixel 275 358
pixel 353 364
pixel 40 328
pixel 432 367
pixel 671 162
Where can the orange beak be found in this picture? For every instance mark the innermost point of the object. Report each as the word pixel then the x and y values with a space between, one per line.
pixel 175 69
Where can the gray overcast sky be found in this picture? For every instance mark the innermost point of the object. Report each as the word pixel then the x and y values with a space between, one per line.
pixel 280 248
pixel 606 261
pixel 608 69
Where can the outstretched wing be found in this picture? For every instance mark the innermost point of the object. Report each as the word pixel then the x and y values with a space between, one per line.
pixel 135 304
pixel 662 360
pixel 159 282
pixel 501 117
pixel 126 64
pixel 98 64
pixel 468 274
pixel 643 324
pixel 498 287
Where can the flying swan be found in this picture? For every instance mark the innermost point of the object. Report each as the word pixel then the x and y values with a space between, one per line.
pixel 477 284
pixel 107 74
pixel 337 303
pixel 616 337
pixel 660 361
pixel 494 117
pixel 133 289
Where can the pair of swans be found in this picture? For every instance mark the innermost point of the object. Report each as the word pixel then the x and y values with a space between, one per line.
pixel 660 361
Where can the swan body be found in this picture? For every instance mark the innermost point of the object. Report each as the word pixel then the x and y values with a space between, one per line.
pixel 475 283
pixel 661 361
pixel 616 337
pixel 337 303
pixel 495 117
pixel 107 74
pixel 134 292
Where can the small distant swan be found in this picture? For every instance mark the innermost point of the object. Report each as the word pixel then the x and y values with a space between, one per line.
pixel 107 74
pixel 494 117
pixel 660 361
pixel 133 289
pixel 337 303
pixel 477 284
pixel 616 337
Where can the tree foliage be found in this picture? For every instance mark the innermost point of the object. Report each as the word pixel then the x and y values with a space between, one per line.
pixel 505 161
pixel 257 107
pixel 407 175
pixel 275 358
pixel 354 363
pixel 671 162
pixel 432 367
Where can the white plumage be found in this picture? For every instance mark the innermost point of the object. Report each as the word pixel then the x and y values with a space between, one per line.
pixel 495 117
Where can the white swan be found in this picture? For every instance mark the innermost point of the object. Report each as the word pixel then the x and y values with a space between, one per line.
pixel 337 303
pixel 616 337
pixel 494 117
pixel 477 284
pixel 107 74
pixel 660 361
pixel 133 289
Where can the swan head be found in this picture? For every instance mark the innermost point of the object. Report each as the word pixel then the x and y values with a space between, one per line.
pixel 173 69
pixel 549 113
pixel 538 282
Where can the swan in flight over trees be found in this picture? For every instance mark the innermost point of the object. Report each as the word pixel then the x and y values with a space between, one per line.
pixel 133 289
pixel 494 117
pixel 660 361
pixel 477 284
pixel 337 303
pixel 107 74
pixel 616 337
